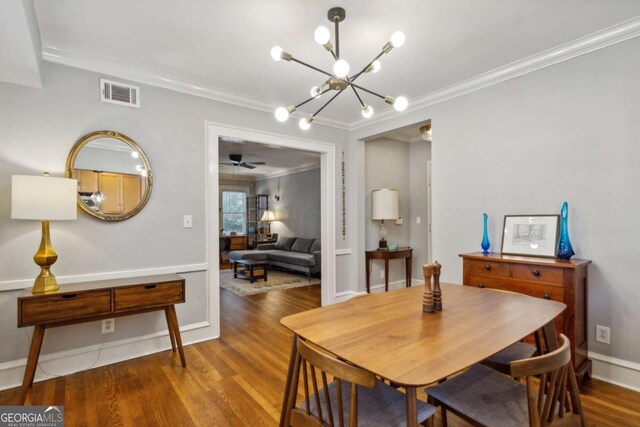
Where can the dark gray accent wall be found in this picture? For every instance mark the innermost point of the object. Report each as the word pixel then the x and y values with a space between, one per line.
pixel 298 211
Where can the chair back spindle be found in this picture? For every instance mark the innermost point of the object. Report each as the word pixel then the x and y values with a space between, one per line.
pixel 312 360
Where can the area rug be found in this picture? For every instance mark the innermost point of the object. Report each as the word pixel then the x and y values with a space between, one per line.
pixel 278 280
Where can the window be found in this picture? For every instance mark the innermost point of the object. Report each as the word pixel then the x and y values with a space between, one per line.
pixel 233 211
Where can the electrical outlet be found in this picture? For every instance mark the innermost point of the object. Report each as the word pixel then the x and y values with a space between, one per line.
pixel 418 220
pixel 188 221
pixel 603 334
pixel 382 274
pixel 108 325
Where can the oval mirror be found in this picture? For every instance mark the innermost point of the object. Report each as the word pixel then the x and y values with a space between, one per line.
pixel 113 173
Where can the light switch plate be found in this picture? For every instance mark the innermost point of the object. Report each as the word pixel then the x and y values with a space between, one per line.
pixel 188 221
pixel 418 220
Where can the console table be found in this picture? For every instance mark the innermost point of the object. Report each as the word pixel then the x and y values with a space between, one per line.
pixel 85 302
pixel 386 255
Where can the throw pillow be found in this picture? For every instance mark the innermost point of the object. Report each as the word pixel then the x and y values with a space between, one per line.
pixel 315 247
pixel 284 243
pixel 302 245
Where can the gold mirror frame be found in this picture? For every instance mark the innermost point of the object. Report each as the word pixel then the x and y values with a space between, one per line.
pixel 134 146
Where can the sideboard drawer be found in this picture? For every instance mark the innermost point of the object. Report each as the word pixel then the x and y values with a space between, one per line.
pixel 538 290
pixel 57 308
pixel 149 295
pixel 488 268
pixel 536 273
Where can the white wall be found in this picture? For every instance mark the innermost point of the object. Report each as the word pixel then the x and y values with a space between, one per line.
pixel 298 210
pixel 419 156
pixel 38 129
pixel 565 132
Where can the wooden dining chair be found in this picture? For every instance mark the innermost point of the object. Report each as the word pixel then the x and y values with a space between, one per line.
pixel 485 397
pixel 354 396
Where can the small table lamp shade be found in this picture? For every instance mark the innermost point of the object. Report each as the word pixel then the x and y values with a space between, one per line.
pixel 384 204
pixel 43 198
pixel 268 216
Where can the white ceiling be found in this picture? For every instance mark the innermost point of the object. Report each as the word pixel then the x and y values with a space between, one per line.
pixel 279 160
pixel 224 45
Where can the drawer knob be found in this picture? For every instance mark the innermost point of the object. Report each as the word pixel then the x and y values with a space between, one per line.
pixel 481 285
pixel 535 272
pixel 547 296
pixel 69 296
pixel 149 286
pixel 487 267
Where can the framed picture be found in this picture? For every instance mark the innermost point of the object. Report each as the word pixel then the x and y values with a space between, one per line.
pixel 531 235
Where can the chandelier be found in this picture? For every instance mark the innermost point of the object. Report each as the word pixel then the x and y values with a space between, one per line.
pixel 338 80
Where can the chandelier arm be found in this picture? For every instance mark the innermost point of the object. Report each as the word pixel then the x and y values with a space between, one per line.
pixel 368 65
pixel 356 92
pixel 327 103
pixel 312 67
pixel 337 39
pixel 350 83
pixel 312 98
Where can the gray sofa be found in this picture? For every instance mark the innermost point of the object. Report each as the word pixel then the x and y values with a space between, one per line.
pixel 293 253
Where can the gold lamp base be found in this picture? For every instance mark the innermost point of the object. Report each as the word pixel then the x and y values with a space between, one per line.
pixel 45 258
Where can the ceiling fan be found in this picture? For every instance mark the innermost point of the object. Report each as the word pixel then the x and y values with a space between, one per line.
pixel 236 160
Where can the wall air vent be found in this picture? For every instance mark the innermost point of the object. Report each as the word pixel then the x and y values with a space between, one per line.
pixel 119 93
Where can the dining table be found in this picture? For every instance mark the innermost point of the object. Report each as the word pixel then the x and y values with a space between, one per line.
pixel 391 336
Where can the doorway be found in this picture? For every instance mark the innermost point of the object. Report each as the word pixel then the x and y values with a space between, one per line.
pixel 326 151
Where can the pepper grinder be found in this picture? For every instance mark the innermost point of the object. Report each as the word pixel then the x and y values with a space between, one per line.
pixel 427 295
pixel 437 293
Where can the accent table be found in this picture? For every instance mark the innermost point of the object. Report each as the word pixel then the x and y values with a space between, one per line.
pixel 386 255
pixel 84 302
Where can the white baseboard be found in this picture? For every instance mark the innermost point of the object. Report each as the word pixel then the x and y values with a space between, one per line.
pixel 343 296
pixel 616 371
pixel 396 284
pixel 81 359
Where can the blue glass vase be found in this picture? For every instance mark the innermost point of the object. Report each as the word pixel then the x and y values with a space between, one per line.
pixel 485 245
pixel 565 251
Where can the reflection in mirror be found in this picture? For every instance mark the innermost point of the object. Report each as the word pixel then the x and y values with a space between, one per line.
pixel 113 173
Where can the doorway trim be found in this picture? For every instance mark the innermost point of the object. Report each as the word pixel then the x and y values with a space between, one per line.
pixel 327 202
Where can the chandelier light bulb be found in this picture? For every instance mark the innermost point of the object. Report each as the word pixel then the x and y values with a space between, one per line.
pixel 305 123
pixel 397 39
pixel 144 173
pixel 282 114
pixel 139 168
pixel 375 66
pixel 316 92
pixel 367 111
pixel 401 103
pixel 135 154
pixel 341 68
pixel 322 35
pixel 276 53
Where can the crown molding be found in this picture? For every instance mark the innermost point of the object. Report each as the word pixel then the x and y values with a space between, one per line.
pixel 599 40
pixel 165 81
pixel 242 178
pixel 301 168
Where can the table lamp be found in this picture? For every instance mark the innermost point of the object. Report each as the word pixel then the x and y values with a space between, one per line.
pixel 384 205
pixel 268 217
pixel 45 199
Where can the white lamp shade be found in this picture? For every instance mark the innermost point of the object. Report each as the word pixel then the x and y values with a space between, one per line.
pixel 43 198
pixel 384 204
pixel 268 216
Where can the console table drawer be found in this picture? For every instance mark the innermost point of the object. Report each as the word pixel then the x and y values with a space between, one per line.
pixel 51 309
pixel 538 290
pixel 149 295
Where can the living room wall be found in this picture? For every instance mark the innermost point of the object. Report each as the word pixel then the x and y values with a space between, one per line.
pixel 565 132
pixel 298 210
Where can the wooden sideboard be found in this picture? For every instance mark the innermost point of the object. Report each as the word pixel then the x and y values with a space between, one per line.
pixel 84 302
pixel 554 279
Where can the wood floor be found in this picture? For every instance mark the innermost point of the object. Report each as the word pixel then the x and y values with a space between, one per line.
pixel 236 380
